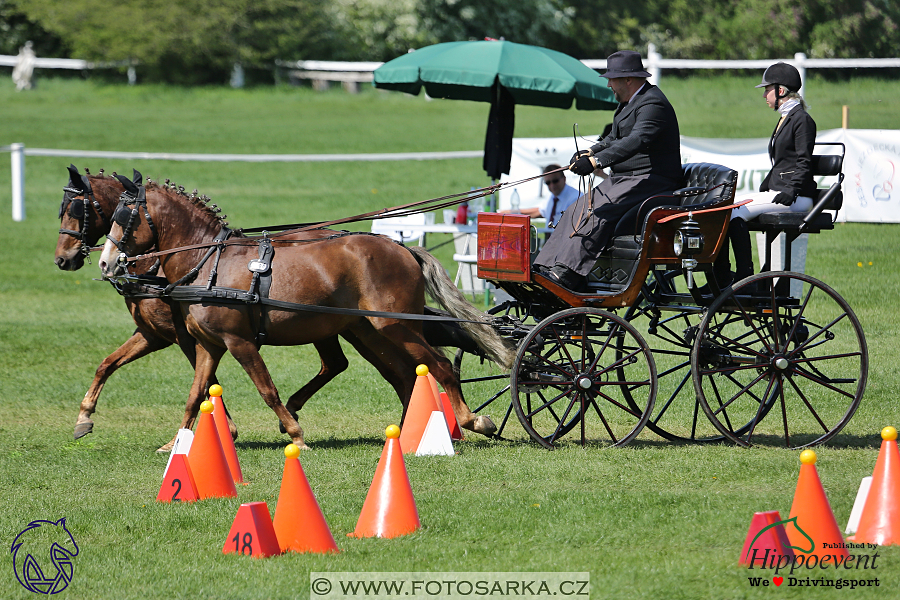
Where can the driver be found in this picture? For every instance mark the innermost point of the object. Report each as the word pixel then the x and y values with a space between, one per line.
pixel 644 155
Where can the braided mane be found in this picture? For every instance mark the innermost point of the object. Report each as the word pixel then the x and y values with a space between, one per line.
pixel 168 187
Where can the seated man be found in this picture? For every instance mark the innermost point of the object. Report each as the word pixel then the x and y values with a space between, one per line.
pixel 643 152
pixel 561 197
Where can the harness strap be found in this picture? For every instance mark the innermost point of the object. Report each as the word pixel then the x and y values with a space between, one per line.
pixel 192 274
pixel 262 282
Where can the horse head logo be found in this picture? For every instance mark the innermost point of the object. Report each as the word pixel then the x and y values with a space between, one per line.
pixel 36 548
pixel 784 523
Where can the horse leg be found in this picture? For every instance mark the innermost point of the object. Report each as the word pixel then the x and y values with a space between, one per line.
pixel 246 353
pixel 207 359
pixel 442 370
pixel 386 358
pixel 334 362
pixel 141 343
pixel 188 346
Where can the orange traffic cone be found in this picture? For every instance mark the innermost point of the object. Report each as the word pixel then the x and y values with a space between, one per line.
pixel 252 532
pixel 452 423
pixel 389 510
pixel 178 483
pixel 880 520
pixel 421 404
pixel 207 459
pixel 221 419
pixel 816 532
pixel 766 539
pixel 299 523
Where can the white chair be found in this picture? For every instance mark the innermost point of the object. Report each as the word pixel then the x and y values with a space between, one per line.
pixel 466 257
pixel 393 227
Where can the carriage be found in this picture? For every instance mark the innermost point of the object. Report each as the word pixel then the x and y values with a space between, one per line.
pixel 776 358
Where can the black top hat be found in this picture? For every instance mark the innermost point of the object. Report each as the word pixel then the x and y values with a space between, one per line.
pixel 624 63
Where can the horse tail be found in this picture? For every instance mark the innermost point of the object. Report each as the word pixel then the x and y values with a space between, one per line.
pixel 445 293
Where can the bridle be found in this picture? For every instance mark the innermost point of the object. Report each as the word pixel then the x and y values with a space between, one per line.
pixel 81 210
pixel 125 216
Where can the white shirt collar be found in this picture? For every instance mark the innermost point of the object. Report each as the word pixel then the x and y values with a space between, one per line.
pixel 635 95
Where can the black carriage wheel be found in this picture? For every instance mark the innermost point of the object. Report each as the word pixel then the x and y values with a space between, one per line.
pixel 677 415
pixel 568 374
pixel 760 348
pixel 486 383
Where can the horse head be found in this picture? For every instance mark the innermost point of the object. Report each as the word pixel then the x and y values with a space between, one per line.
pixel 155 216
pixel 84 216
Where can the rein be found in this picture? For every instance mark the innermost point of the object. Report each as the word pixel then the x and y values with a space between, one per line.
pixel 396 211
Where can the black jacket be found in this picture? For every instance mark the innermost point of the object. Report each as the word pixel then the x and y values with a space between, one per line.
pixel 644 138
pixel 790 151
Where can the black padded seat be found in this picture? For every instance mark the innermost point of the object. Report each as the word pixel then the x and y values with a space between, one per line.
pixel 614 268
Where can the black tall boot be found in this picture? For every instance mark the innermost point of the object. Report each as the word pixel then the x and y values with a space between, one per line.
pixel 722 266
pixel 739 235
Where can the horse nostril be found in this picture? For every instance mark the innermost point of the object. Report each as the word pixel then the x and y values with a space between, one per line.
pixel 103 265
pixel 60 262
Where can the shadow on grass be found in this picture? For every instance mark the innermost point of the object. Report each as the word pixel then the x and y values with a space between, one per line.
pixel 327 444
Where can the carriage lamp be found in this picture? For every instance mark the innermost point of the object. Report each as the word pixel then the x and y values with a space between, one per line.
pixel 688 242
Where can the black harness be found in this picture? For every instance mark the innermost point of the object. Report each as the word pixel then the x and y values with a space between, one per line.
pixel 126 213
pixel 81 210
pixel 148 286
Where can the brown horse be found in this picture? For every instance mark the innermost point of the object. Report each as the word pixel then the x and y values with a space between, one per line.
pixel 88 203
pixel 82 224
pixel 360 271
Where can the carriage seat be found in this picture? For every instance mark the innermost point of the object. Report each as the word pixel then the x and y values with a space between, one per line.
pixel 792 224
pixel 705 184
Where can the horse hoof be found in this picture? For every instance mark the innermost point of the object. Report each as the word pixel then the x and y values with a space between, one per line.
pixel 82 429
pixel 281 427
pixel 484 425
pixel 301 445
pixel 167 447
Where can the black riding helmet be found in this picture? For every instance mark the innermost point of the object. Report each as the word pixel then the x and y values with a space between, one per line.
pixel 782 74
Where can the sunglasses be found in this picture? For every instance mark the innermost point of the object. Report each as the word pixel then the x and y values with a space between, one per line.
pixel 555 180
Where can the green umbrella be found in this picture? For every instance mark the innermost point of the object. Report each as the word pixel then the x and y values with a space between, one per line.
pixel 502 73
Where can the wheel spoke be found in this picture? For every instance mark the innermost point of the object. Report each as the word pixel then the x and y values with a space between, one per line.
pixel 745 339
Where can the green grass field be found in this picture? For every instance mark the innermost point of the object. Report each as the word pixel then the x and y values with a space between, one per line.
pixel 654 519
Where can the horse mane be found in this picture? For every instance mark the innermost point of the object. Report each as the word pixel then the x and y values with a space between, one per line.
pixel 169 189
pixel 201 201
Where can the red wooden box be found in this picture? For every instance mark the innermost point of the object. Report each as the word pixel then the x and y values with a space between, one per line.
pixel 504 247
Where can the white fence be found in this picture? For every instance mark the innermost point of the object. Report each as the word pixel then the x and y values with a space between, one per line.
pixel 18 153
pixel 654 62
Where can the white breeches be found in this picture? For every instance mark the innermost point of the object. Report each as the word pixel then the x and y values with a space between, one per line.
pixel 762 203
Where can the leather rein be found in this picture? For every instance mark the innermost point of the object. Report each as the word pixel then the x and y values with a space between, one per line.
pixel 383 213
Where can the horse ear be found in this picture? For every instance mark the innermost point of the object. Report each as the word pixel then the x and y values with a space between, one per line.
pixel 138 178
pixel 74 176
pixel 129 185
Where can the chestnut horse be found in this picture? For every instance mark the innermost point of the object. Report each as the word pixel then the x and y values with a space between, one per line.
pixel 82 224
pixel 361 271
pixel 85 216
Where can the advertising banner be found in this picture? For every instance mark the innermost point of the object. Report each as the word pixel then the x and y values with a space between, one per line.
pixel 871 179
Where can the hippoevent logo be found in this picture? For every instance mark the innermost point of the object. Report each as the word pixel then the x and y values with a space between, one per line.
pixel 42 556
pixel 811 566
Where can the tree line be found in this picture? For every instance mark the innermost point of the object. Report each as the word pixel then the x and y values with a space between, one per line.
pixel 199 41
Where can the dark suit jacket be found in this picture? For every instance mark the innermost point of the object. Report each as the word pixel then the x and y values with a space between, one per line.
pixel 644 138
pixel 790 151
pixel 643 150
